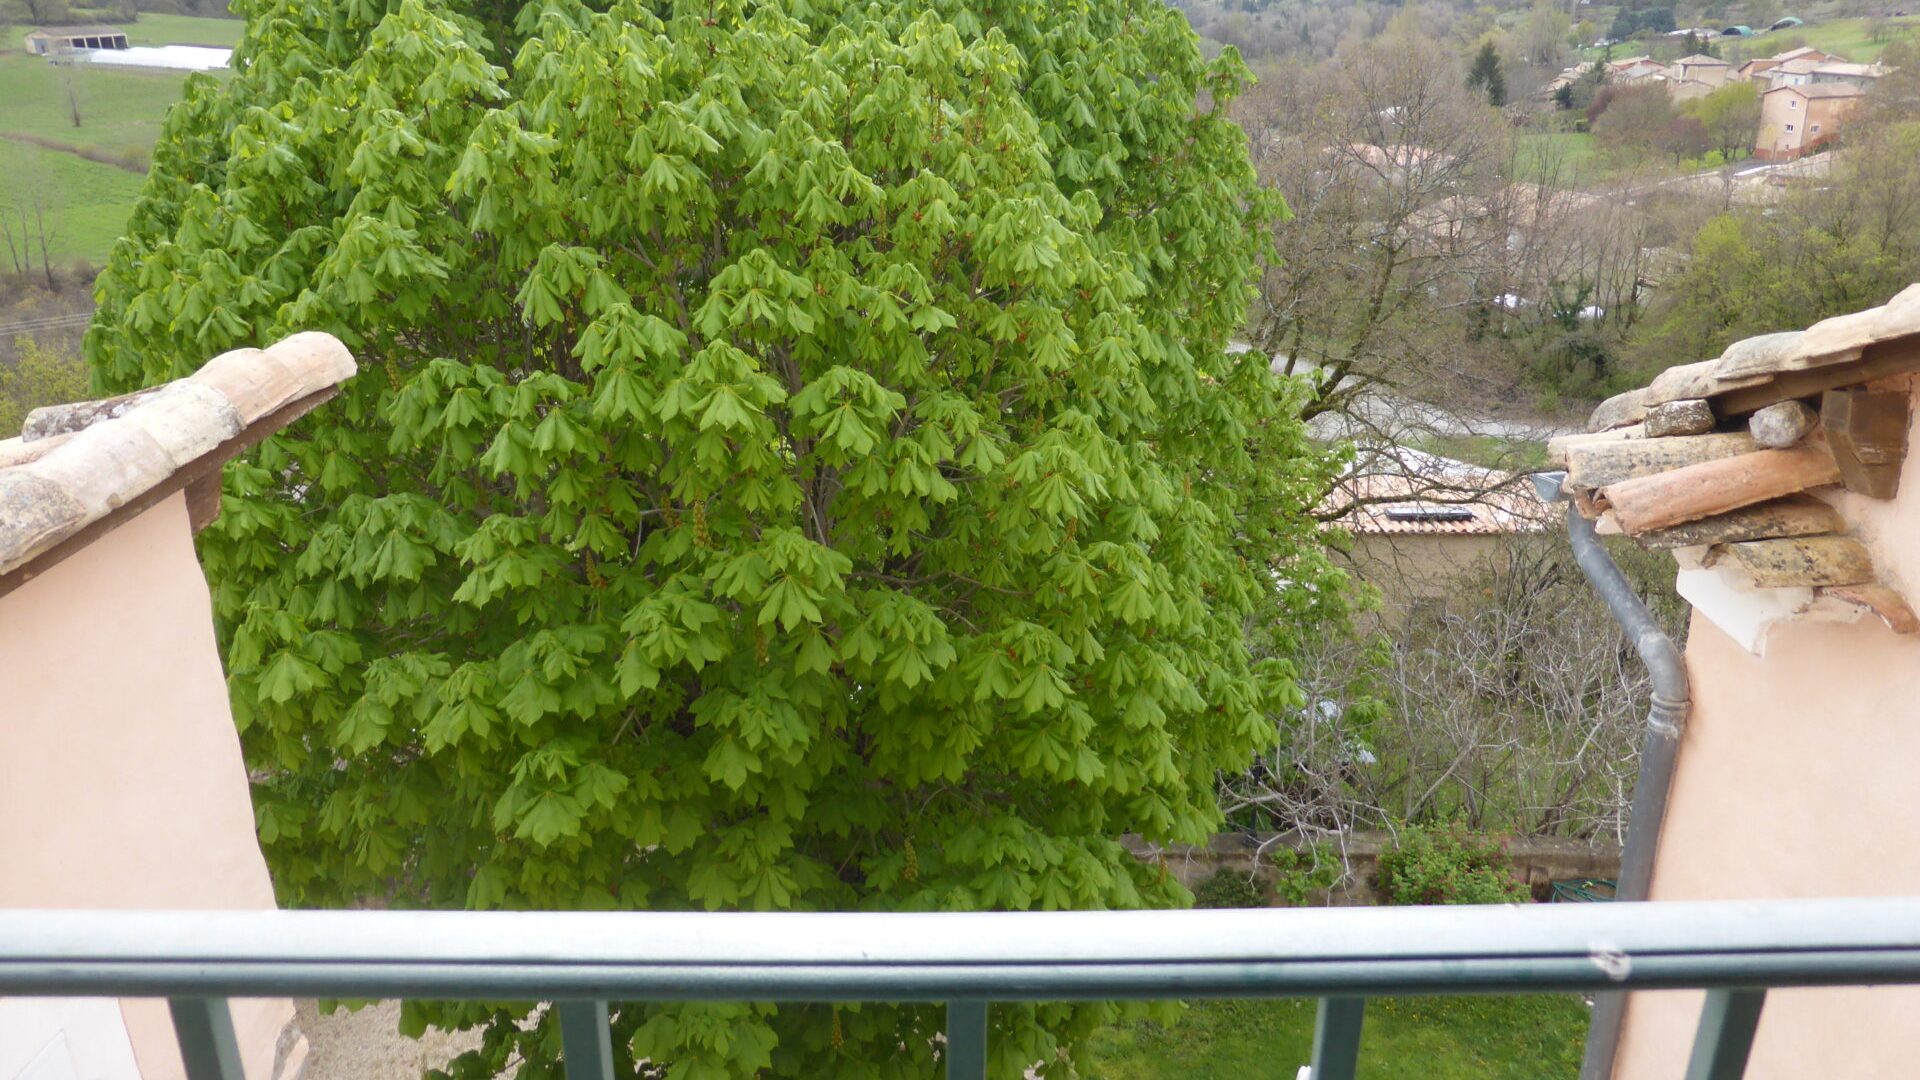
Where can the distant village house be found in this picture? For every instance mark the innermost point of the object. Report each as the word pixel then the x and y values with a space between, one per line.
pixel 1796 120
pixel 1420 522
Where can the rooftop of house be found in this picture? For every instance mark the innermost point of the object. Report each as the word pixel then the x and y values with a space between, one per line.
pixel 1754 467
pixel 75 466
pixel 1409 492
pixel 1804 50
pixel 1818 90
pixel 78 31
pixel 1701 60
pixel 1397 156
pixel 1841 67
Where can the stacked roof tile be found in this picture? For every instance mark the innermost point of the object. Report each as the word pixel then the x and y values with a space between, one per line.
pixel 1737 462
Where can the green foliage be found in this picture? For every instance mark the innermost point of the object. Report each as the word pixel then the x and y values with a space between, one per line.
pixel 1627 22
pixel 38 376
pixel 1298 875
pixel 1485 76
pixel 1731 115
pixel 795 465
pixel 1446 865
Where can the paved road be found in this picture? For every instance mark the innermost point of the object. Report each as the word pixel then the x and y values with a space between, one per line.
pixel 1379 413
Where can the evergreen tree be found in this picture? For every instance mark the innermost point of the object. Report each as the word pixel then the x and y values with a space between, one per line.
pixel 795 465
pixel 1485 75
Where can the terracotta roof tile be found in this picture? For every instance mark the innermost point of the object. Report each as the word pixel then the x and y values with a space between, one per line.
pixel 75 464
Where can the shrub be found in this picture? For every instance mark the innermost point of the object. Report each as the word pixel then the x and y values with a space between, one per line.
pixel 1446 865
pixel 1230 889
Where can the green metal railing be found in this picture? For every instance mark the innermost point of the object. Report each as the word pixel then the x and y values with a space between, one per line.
pixel 583 961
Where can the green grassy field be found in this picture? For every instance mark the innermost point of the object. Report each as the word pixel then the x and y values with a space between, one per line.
pixel 1450 1038
pixel 120 110
pixel 1558 156
pixel 89 202
pixel 120 115
pixel 1851 38
pixel 154 29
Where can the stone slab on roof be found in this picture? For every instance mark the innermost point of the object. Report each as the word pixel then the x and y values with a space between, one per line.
pixel 73 465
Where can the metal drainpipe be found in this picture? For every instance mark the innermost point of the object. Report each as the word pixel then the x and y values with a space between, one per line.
pixel 1658 751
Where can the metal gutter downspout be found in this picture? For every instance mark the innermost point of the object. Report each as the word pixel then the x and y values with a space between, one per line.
pixel 1667 668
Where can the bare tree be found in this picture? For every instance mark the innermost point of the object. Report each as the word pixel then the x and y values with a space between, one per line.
pixel 29 216
pixel 1517 708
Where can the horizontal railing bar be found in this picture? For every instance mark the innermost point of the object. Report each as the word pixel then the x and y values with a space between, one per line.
pixel 980 937
pixel 1003 956
pixel 937 983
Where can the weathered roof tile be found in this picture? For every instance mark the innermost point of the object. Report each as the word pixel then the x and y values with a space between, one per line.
pixel 75 464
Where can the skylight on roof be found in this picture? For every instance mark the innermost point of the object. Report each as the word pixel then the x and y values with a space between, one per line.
pixel 1429 513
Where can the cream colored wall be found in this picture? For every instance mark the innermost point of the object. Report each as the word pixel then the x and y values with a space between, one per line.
pixel 1799 776
pixel 1775 115
pixel 121 781
pixel 1410 566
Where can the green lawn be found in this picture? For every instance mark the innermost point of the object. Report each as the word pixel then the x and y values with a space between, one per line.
pixel 1560 156
pixel 1440 1038
pixel 89 202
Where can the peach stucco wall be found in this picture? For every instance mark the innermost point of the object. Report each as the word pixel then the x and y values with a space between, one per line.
pixel 121 781
pixel 1799 776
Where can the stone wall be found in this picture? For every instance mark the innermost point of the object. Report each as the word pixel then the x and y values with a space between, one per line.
pixel 1536 860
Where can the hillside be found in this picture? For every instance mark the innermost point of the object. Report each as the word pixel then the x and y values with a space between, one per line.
pixel 84 177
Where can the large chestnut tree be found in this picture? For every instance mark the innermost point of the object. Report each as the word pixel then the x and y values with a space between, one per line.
pixel 795 464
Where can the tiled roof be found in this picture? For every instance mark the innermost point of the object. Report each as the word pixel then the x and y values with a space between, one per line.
pixel 75 464
pixel 1840 67
pixel 78 31
pixel 1715 459
pixel 1408 492
pixel 1819 90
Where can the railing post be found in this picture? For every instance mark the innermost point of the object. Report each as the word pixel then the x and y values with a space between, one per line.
pixel 1728 1021
pixel 586 1039
pixel 966 1040
pixel 1336 1037
pixel 208 1048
